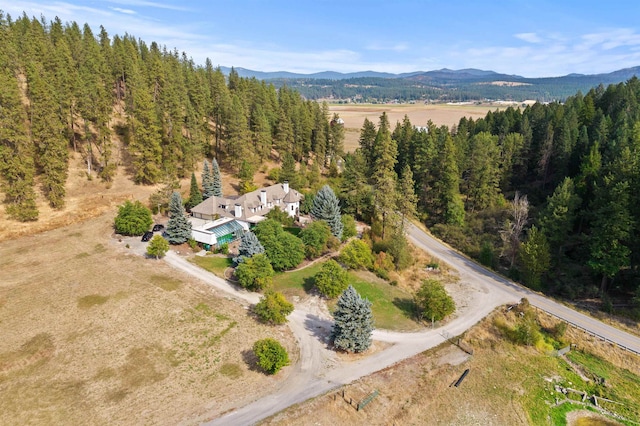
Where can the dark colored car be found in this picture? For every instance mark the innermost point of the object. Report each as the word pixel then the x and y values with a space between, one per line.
pixel 158 227
pixel 147 236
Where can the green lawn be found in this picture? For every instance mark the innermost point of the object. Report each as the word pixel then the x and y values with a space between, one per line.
pixel 392 307
pixel 296 283
pixel 216 264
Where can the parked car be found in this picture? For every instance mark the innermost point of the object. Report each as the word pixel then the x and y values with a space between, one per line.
pixel 158 227
pixel 147 236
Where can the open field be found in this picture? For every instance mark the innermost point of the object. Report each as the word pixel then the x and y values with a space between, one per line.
pixel 419 114
pixel 93 334
pixel 506 384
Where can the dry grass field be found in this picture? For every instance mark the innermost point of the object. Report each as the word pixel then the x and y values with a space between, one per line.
pixel 506 385
pixel 419 114
pixel 94 334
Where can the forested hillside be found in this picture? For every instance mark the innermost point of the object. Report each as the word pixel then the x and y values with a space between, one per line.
pixel 549 194
pixel 120 102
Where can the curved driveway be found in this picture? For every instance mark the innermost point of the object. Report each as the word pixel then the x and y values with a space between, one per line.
pixel 319 370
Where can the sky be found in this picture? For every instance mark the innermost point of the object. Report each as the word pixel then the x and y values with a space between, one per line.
pixel 531 38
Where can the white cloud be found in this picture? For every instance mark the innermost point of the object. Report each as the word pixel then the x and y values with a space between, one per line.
pixel 529 37
pixel 398 47
pixel 125 11
pixel 144 3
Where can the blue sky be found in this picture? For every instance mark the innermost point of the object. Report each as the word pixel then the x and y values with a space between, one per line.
pixel 530 38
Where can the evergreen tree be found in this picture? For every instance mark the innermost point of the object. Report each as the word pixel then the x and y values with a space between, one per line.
pixel 407 194
pixel 353 322
pixel 246 178
pixel 216 184
pixel 327 207
pixel 535 257
pixel 178 228
pixel 558 217
pixel 207 181
pixel 611 228
pixel 17 169
pixel 384 176
pixel 288 172
pixel 249 245
pixel 195 196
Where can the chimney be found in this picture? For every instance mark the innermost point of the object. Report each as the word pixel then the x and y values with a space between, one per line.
pixel 285 186
pixel 238 210
pixel 263 197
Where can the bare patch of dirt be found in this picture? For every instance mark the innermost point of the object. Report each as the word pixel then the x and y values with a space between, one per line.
pixel 589 418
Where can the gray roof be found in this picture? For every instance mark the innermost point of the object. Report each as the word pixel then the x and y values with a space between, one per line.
pixel 251 200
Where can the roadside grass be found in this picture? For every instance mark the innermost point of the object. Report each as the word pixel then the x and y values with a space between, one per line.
pixel 214 264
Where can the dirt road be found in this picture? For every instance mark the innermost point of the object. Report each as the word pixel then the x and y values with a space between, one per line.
pixel 320 370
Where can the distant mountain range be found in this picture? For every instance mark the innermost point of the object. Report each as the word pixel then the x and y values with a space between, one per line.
pixel 438 85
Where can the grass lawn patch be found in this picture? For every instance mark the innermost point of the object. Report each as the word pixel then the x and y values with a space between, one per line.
pixel 216 265
pixel 164 282
pixel 296 283
pixel 293 230
pixel 92 300
pixel 392 307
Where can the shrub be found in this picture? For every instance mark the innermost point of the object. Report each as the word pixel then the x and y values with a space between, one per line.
pixel 284 251
pixel 433 302
pixel 255 273
pixel 133 219
pixel 332 279
pixel 348 227
pixel 357 255
pixel 280 216
pixel 223 248
pixel 383 264
pixel 157 247
pixel 273 308
pixel 315 238
pixel 272 356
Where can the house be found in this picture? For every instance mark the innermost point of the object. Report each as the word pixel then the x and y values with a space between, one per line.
pixel 245 210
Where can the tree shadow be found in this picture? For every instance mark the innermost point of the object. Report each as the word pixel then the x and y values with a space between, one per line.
pixel 407 307
pixel 320 328
pixel 251 360
pixel 308 284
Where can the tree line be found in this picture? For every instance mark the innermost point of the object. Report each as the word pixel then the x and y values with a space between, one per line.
pixel 120 101
pixel 548 193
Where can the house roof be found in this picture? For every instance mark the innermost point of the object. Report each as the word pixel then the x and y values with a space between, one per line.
pixel 225 206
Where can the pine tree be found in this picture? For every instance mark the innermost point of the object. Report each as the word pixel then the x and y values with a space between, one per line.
pixel 216 179
pixel 384 176
pixel 407 194
pixel 249 245
pixel 535 257
pixel 195 196
pixel 178 228
pixel 327 207
pixel 353 322
pixel 16 152
pixel 558 217
pixel 207 181
pixel 288 172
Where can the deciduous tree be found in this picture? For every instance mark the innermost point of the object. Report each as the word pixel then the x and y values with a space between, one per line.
pixel 272 356
pixel 332 279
